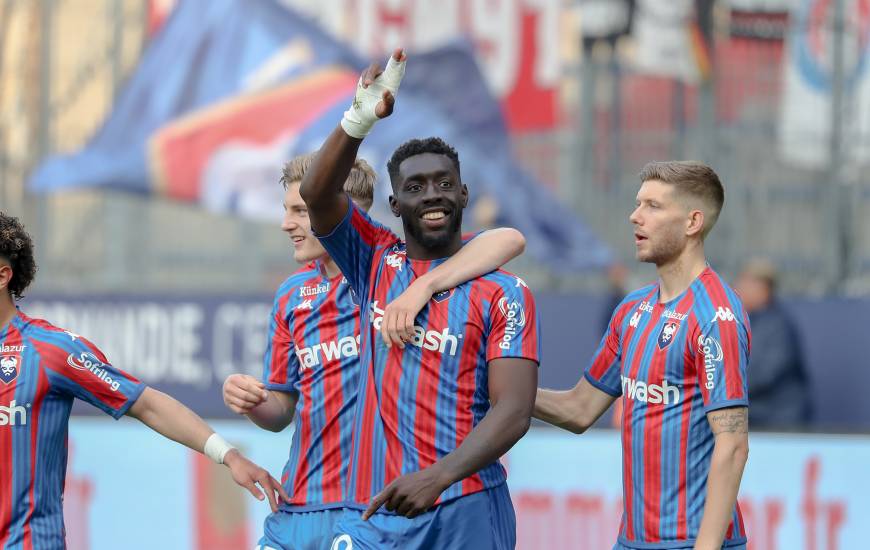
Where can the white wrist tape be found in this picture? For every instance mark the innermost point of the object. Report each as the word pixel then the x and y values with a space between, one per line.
pixel 216 448
pixel 360 117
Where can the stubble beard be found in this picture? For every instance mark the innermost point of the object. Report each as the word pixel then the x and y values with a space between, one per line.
pixel 437 240
pixel 662 252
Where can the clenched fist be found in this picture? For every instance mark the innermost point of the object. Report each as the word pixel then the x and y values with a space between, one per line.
pixel 243 392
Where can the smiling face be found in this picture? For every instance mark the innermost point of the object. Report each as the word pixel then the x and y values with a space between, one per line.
pixel 662 223
pixel 306 247
pixel 429 197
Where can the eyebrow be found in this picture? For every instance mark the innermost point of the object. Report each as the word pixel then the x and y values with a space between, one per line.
pixel 425 175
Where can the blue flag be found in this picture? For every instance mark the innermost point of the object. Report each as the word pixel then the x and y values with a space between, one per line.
pixel 229 90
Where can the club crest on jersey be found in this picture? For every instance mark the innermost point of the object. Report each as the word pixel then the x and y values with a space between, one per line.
pixel 666 336
pixel 443 295
pixel 9 368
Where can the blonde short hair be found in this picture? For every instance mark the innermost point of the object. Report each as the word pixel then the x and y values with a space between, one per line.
pixel 360 183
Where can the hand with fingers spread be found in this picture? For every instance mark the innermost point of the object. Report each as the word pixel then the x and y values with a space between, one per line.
pixel 243 392
pixel 397 326
pixel 410 495
pixel 249 475
pixel 375 96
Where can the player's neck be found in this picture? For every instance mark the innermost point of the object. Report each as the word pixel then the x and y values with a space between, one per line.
pixel 330 267
pixel 417 251
pixel 678 274
pixel 7 310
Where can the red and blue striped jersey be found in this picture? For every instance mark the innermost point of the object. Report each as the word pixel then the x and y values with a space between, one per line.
pixel 313 350
pixel 418 404
pixel 673 363
pixel 42 369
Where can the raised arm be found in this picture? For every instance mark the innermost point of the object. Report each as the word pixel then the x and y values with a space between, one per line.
pixel 512 383
pixel 574 410
pixel 322 188
pixel 171 419
pixel 488 251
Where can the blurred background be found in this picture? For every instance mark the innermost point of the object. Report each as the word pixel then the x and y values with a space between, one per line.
pixel 141 143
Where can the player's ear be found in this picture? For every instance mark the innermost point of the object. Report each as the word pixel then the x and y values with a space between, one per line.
pixel 5 275
pixel 464 191
pixel 695 223
pixel 394 206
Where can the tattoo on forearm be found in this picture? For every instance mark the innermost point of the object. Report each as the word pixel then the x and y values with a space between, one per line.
pixel 729 421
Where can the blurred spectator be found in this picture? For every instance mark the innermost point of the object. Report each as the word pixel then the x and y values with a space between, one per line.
pixel 779 393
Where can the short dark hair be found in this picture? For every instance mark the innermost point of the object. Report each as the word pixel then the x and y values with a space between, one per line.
pixel 16 247
pixel 692 179
pixel 417 147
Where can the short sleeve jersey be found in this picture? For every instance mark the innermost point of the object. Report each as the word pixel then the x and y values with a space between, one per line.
pixel 42 369
pixel 418 404
pixel 672 363
pixel 313 350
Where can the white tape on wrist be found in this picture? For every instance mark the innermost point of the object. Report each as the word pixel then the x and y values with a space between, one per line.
pixel 359 119
pixel 216 448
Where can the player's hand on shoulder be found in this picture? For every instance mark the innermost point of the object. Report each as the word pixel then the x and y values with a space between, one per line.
pixel 397 326
pixel 249 475
pixel 242 392
pixel 410 495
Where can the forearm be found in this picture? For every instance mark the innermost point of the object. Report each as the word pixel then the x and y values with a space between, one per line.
pixel 171 419
pixel 557 408
pixel 274 414
pixel 322 187
pixel 486 252
pixel 723 483
pixel 499 430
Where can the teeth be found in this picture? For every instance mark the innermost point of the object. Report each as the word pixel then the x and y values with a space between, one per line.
pixel 433 215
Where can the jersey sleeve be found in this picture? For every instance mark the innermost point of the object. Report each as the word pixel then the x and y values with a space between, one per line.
pixel 514 323
pixel 721 358
pixel 353 243
pixel 280 363
pixel 78 368
pixel 603 371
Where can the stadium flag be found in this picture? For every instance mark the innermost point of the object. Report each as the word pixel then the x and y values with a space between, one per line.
pixel 806 114
pixel 228 91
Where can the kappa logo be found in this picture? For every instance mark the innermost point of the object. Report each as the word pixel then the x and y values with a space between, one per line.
pixel 395 261
pixel 304 304
pixel 635 319
pixel 724 314
pixel 521 283
pixel 666 336
pixel 72 335
pixel 9 367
